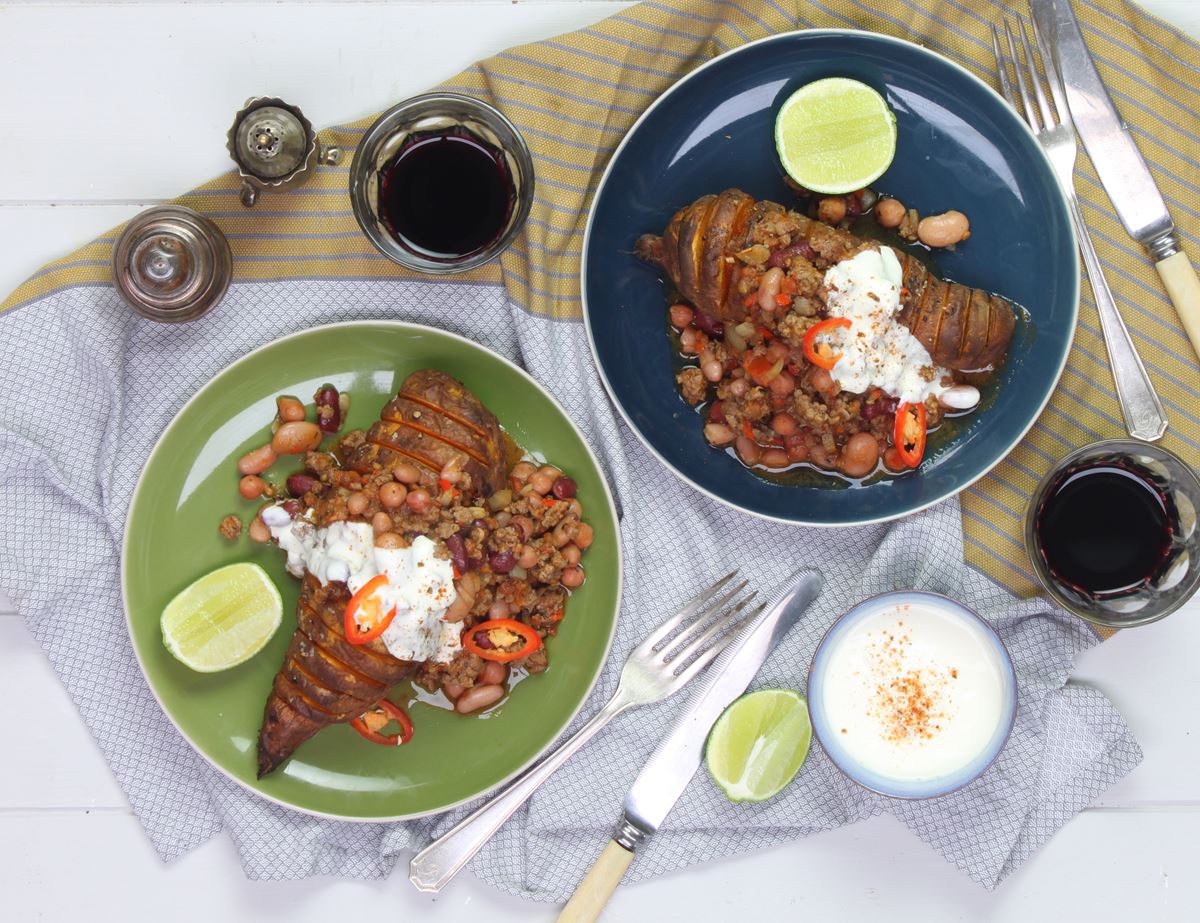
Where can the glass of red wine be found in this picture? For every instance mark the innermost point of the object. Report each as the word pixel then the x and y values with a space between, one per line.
pixel 442 183
pixel 1112 533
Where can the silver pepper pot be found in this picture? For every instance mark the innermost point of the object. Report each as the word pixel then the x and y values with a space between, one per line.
pixel 275 147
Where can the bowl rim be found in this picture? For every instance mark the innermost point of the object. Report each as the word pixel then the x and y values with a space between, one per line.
pixel 1012 703
pixel 253 355
pixel 360 170
pixel 860 35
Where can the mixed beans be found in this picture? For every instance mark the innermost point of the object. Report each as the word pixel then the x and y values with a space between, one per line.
pixel 765 385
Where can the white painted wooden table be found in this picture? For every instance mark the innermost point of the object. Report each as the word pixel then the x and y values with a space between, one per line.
pixel 89 139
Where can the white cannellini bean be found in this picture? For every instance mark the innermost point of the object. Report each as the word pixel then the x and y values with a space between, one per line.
pixel 959 397
pixel 276 516
pixel 768 288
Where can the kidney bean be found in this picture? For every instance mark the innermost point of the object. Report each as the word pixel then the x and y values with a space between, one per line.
pixel 572 577
pixel 564 488
pixel 585 536
pixel 716 412
pixel 494 674
pixel 502 562
pixel 572 553
pixel 357 503
pixel 381 522
pixel 329 408
pixel 300 484
pixel 418 500
pixel 525 524
pixel 779 258
pixel 748 450
pixel 797 447
pixel 681 315
pixel 392 494
pixel 296 438
pixel 256 461
pixel 959 397
pixel 499 610
pixel 289 409
pixel 878 408
pixel 258 531
pixel 251 487
pixel 291 507
pixel 452 690
pixel 458 552
pixel 709 325
pixel 478 697
pixel 406 473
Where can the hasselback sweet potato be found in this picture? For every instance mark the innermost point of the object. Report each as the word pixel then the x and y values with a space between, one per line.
pixel 325 679
pixel 434 421
pixel 964 329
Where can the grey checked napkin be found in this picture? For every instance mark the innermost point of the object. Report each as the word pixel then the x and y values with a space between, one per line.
pixel 89 388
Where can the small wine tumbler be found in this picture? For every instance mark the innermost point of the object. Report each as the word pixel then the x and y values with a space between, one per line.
pixel 1112 534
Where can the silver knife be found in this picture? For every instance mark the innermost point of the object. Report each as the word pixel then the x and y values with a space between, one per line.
pixel 1118 162
pixel 672 765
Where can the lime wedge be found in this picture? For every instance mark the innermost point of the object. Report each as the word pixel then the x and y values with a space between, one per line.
pixel 223 619
pixel 759 744
pixel 835 135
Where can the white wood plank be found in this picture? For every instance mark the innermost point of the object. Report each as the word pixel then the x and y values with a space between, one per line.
pixel 1124 866
pixel 51 759
pixel 33 235
pixel 143 111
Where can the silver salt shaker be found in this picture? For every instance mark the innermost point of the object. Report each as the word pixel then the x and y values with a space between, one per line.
pixel 171 264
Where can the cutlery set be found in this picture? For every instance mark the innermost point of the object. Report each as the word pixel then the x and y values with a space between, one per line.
pixel 1082 104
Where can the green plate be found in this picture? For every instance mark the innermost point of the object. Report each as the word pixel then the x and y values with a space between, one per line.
pixel 171 538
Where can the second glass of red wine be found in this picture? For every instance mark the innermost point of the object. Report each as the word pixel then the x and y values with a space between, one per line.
pixel 1112 533
pixel 442 183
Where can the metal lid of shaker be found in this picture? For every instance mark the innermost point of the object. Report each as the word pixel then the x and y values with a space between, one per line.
pixel 171 264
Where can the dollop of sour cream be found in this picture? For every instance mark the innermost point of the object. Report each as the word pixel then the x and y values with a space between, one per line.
pixel 420 584
pixel 877 350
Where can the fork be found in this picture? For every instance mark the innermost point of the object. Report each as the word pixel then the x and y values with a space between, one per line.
pixel 658 667
pixel 1143 411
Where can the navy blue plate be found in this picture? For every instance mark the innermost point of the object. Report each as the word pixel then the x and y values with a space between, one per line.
pixel 959 146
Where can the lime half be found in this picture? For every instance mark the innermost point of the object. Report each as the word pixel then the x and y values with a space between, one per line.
pixel 835 135
pixel 223 619
pixel 759 744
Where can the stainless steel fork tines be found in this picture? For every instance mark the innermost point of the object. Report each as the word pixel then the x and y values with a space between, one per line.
pixel 1052 125
pixel 661 665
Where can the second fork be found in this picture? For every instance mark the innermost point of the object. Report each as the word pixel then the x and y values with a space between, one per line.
pixel 1140 405
pixel 661 665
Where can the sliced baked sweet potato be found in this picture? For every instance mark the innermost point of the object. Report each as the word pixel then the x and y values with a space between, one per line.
pixel 434 421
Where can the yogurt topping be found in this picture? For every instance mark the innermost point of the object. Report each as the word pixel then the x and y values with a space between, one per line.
pixel 878 350
pixel 914 692
pixel 420 585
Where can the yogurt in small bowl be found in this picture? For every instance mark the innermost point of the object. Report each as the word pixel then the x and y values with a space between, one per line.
pixel 912 694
